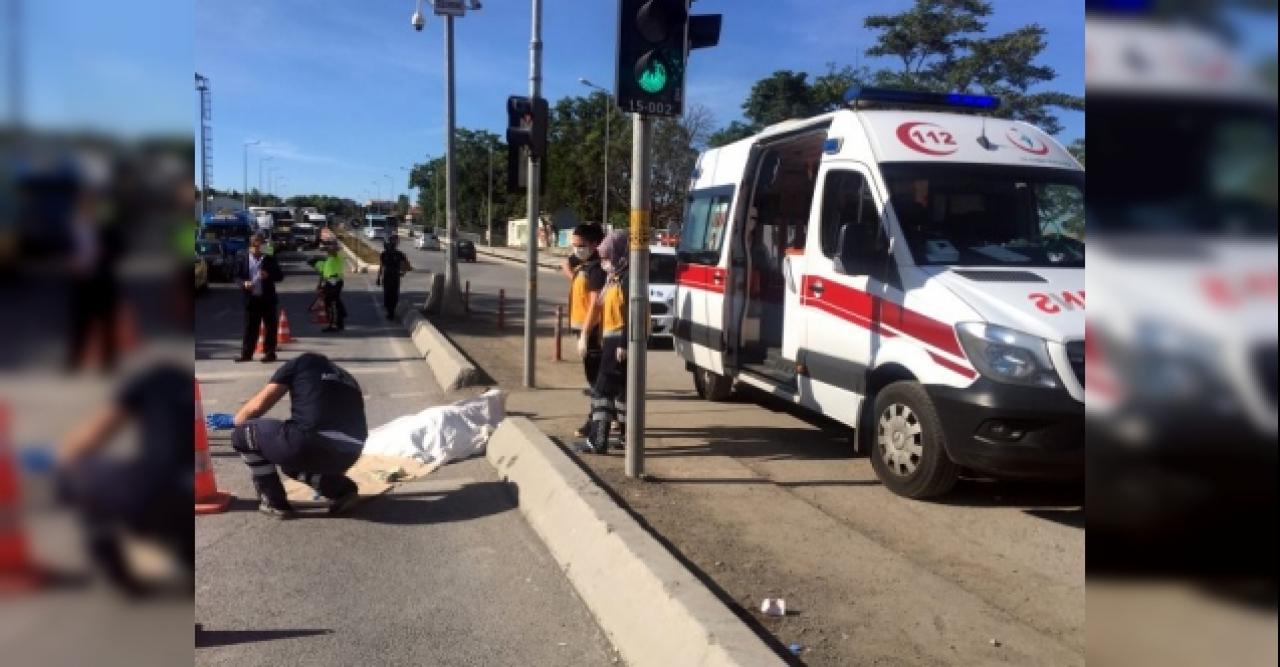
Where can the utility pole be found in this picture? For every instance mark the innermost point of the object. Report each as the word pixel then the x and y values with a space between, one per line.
pixel 534 206
pixel 16 83
pixel 452 302
pixel 488 238
pixel 202 88
pixel 638 296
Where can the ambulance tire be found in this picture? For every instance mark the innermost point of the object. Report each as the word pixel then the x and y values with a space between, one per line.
pixel 905 404
pixel 712 386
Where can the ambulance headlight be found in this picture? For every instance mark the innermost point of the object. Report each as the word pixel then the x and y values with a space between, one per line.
pixel 1006 355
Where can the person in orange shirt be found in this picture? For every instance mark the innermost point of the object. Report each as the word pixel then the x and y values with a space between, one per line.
pixel 587 279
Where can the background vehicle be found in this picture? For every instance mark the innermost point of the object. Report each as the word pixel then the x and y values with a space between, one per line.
pixel 662 289
pixel 427 242
pixel 221 263
pixel 305 236
pixel 201 274
pixel 232 230
pixel 466 251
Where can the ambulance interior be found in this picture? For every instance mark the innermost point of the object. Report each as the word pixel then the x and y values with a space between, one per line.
pixel 776 224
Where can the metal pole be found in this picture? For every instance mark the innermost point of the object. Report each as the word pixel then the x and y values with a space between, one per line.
pixel 534 206
pixel 608 103
pixel 488 235
pixel 452 302
pixel 16 84
pixel 638 301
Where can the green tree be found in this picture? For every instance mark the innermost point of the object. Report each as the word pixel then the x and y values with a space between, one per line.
pixel 942 46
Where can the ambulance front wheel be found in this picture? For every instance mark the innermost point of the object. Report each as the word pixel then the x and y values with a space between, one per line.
pixel 712 386
pixel 906 443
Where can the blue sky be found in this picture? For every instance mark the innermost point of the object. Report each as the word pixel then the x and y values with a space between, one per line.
pixel 345 92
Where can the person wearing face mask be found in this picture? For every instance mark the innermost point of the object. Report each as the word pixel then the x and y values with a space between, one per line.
pixel 586 279
pixel 608 397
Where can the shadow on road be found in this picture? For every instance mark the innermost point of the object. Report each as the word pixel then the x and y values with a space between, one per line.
pixel 754 442
pixel 212 638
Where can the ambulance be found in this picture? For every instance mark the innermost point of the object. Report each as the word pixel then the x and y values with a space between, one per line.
pixel 907 266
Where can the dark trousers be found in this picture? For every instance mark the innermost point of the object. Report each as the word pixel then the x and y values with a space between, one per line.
pixel 315 459
pixel 591 362
pixel 259 312
pixel 333 305
pixel 609 394
pixel 114 497
pixel 93 302
pixel 390 294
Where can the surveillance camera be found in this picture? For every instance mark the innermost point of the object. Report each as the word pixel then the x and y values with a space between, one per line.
pixel 418 21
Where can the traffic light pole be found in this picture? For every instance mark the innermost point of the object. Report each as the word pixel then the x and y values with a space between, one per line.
pixel 533 218
pixel 638 300
pixel 451 304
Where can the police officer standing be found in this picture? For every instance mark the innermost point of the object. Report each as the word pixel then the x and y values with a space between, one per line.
pixel 392 265
pixel 316 445
pixel 258 273
pixel 331 270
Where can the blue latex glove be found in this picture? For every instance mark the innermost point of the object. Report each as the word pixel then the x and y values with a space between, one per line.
pixel 219 421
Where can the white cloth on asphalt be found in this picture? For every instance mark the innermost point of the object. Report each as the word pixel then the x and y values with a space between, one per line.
pixel 448 432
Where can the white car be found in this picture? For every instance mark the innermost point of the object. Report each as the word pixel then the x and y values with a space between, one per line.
pixel 426 242
pixel 662 289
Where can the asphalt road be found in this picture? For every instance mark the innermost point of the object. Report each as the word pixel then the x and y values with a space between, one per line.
pixel 443 571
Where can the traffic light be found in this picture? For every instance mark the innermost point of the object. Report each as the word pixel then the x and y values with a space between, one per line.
pixel 654 38
pixel 526 136
pixel 527 125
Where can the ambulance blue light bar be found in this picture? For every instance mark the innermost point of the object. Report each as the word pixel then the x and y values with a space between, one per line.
pixel 952 100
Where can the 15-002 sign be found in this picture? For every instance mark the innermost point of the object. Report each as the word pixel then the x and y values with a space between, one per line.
pixel 651 108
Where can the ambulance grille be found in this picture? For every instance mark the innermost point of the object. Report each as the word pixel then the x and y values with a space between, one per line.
pixel 1075 354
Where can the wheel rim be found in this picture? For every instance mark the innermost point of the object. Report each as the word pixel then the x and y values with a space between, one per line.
pixel 899 439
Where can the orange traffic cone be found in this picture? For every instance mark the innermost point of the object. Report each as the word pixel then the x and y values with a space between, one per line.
pixel 283 335
pixel 262 340
pixel 17 572
pixel 209 500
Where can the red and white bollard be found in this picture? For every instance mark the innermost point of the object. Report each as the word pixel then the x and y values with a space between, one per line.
pixel 559 330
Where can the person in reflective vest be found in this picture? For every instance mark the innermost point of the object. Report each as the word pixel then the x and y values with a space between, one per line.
pixel 331 270
pixel 587 279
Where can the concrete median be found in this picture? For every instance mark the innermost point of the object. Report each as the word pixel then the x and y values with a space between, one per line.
pixel 655 611
pixel 450 367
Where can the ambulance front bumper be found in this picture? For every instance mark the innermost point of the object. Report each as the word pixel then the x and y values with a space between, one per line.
pixel 1011 431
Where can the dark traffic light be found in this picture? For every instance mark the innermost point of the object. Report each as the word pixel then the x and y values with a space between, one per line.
pixel 526 131
pixel 654 37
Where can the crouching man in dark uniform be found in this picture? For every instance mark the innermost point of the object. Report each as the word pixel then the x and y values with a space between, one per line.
pixel 320 441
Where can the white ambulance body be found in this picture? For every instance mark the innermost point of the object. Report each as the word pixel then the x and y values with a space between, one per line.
pixel 918 275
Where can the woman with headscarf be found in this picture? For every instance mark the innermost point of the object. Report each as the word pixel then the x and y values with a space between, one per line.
pixel 608 397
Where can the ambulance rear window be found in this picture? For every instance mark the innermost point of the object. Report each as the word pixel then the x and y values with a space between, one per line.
pixel 706 220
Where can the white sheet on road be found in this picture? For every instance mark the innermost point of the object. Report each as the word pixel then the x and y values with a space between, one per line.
pixel 441 433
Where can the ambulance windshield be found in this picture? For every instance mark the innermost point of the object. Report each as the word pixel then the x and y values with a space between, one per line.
pixel 982 215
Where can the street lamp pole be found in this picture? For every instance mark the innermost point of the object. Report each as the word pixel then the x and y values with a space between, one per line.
pixel 244 194
pixel 604 215
pixel 266 158
pixel 488 234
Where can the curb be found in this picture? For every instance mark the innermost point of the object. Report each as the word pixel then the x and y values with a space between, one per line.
pixel 553 266
pixel 451 369
pixel 361 266
pixel 653 609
